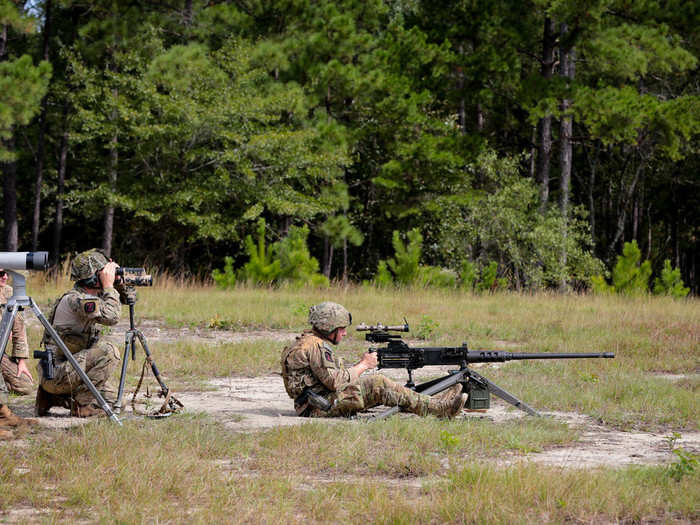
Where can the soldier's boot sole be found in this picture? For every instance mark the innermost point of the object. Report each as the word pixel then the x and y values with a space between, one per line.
pixel 8 419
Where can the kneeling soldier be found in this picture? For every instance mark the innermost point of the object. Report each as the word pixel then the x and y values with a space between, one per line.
pixel 322 386
pixel 93 300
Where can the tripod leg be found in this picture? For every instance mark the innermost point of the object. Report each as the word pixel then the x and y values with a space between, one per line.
pixel 506 396
pixel 8 319
pixel 69 356
pixel 154 368
pixel 434 388
pixel 128 349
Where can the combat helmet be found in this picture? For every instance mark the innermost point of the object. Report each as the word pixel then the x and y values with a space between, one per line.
pixel 327 316
pixel 87 264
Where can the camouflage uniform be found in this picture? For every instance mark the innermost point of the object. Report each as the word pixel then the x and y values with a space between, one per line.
pixel 310 362
pixel 20 350
pixel 74 317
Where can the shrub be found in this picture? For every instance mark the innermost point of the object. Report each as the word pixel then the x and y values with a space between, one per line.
pixel 670 282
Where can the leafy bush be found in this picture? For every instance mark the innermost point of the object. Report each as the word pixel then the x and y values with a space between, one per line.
pixel 404 265
pixel 226 278
pixel 296 264
pixel 286 261
pixel 670 282
pixel 628 276
pixel 261 268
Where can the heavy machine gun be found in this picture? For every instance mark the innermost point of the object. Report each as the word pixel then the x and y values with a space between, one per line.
pixel 397 354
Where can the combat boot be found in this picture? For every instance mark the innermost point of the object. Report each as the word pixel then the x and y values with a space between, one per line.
pixel 8 419
pixel 448 408
pixel 6 434
pixel 44 402
pixel 449 393
pixel 78 410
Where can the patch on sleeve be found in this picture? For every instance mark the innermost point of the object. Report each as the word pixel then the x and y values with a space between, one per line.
pixel 328 355
pixel 90 306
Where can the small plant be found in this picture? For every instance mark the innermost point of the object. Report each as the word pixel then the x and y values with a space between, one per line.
pixel 448 440
pixel 226 278
pixel 687 461
pixel 629 276
pixel 670 282
pixel 426 328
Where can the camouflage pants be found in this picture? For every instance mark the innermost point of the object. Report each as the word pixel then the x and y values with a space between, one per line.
pixel 4 393
pixel 98 362
pixel 372 390
pixel 17 385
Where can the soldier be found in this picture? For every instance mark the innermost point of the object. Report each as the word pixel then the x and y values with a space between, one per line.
pixel 17 376
pixel 310 369
pixel 93 300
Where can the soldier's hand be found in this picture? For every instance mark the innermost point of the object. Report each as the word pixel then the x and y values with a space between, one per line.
pixel 108 274
pixel 22 369
pixel 369 360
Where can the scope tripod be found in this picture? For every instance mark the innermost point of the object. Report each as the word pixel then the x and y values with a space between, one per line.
pixel 18 302
pixel 171 404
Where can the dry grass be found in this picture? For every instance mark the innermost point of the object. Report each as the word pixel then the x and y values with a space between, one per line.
pixel 192 470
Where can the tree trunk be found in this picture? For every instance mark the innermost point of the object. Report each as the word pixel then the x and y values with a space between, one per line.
pixel 9 170
pixel 545 124
pixel 345 261
pixel 327 256
pixel 565 151
pixel 60 189
pixel 109 210
pixel 36 216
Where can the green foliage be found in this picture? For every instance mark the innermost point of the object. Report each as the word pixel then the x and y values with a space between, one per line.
pixel 506 225
pixel 261 268
pixel 406 261
pixel 686 462
pixel 287 260
pixel 670 282
pixel 629 276
pixel 383 277
pixel 404 268
pixel 226 278
pixel 297 266
pixel 22 85
pixel 488 279
pixel 427 328
pixel 468 275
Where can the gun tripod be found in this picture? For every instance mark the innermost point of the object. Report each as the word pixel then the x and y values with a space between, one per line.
pixel 171 404
pixel 476 385
pixel 18 302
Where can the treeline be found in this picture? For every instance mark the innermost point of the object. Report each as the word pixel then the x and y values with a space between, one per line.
pixel 524 140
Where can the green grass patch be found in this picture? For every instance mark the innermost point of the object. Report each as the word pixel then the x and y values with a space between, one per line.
pixel 191 470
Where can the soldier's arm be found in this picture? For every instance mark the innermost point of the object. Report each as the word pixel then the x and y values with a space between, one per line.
pixel 111 307
pixel 20 348
pixel 329 369
pixel 104 308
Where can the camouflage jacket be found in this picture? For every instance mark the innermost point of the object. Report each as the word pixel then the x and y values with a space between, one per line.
pixel 310 361
pixel 75 315
pixel 20 348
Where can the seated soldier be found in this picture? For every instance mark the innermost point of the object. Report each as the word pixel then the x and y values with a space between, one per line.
pixel 17 376
pixel 92 301
pixel 309 364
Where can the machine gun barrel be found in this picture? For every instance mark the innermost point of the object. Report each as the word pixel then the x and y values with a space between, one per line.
pixel 399 355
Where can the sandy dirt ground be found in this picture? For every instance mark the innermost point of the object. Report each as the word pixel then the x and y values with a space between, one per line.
pixel 246 404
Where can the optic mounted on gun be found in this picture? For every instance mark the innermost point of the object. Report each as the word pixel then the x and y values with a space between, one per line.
pixel 380 333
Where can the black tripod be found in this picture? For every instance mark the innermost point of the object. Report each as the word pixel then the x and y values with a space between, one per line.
pixel 171 404
pixel 473 383
pixel 17 303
